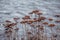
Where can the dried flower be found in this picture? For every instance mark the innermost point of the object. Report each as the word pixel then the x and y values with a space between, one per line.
pixel 42 18
pixel 23 22
pixel 45 23
pixel 50 19
pixel 35 11
pixel 51 25
pixel 26 17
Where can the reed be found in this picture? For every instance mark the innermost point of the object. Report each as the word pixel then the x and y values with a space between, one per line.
pixel 36 23
pixel 9 29
pixel 51 26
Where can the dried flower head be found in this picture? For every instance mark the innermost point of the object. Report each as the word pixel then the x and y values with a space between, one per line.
pixel 42 18
pixel 50 19
pixel 23 22
pixel 51 25
pixel 45 23
pixel 26 17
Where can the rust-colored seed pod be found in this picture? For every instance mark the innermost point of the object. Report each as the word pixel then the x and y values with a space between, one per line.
pixel 30 22
pixel 23 22
pixel 50 19
pixel 51 25
pixel 26 17
pixel 45 23
pixel 42 18
pixel 39 19
pixel 58 21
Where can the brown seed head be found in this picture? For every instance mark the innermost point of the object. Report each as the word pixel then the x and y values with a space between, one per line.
pixel 50 19
pixel 51 25
pixel 45 23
